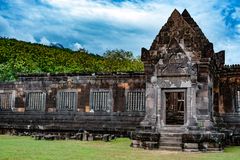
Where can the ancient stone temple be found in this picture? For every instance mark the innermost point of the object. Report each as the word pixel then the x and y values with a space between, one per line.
pixel 181 69
pixel 187 98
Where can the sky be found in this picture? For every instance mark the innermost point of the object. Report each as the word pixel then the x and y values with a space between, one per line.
pixel 100 25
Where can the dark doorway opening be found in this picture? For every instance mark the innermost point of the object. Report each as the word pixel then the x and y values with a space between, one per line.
pixel 175 102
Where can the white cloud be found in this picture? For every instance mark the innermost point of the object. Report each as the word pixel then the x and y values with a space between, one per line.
pixel 24 36
pixel 127 14
pixel 147 16
pixel 8 30
pixel 44 41
pixel 5 28
pixel 77 46
pixel 236 14
pixel 232 51
pixel 102 25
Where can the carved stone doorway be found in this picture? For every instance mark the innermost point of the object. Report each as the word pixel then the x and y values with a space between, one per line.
pixel 174 107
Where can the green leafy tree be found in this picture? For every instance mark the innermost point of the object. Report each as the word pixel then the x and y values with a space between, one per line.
pixel 119 60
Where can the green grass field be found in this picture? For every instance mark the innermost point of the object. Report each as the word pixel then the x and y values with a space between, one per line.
pixel 26 148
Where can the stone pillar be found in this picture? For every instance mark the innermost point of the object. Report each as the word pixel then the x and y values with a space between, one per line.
pixel 192 120
pixel 151 103
pixel 204 99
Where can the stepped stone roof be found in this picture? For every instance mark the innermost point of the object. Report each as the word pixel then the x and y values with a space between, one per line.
pixel 180 33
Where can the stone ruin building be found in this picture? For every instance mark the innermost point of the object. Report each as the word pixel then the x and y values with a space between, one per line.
pixel 187 98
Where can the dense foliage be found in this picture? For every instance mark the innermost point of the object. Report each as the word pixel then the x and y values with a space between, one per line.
pixel 23 57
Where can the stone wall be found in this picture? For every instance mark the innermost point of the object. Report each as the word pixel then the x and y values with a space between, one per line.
pixel 35 102
pixel 227 102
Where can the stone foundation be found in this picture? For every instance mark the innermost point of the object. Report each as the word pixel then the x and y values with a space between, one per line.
pixel 189 142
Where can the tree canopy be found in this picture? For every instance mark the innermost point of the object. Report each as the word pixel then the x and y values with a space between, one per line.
pixel 23 57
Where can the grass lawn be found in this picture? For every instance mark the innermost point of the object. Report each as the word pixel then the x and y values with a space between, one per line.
pixel 26 148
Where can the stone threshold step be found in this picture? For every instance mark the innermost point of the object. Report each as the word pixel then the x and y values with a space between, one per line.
pixel 170 148
pixel 170 144
pixel 170 135
pixel 171 138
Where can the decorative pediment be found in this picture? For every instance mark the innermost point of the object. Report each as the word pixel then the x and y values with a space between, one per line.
pixel 171 64
pixel 180 34
pixel 175 61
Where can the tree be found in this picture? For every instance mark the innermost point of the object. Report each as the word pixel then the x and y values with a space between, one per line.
pixel 118 54
pixel 121 61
